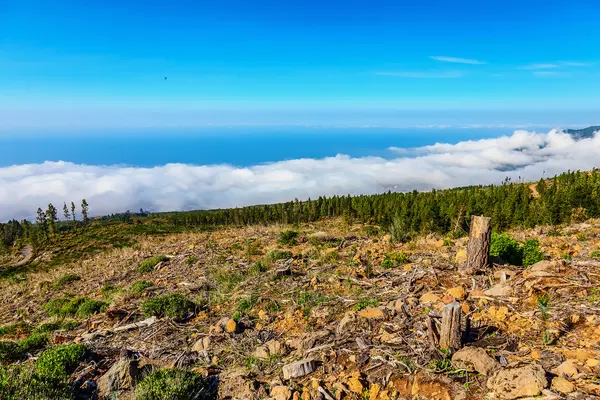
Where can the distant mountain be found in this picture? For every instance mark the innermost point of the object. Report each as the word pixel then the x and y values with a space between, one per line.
pixel 583 133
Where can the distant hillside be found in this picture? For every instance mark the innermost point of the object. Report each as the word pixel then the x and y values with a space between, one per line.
pixel 583 133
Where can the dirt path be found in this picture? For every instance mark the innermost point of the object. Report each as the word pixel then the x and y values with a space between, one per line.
pixel 27 253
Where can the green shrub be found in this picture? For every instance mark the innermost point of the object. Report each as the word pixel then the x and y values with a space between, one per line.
pixel 81 307
pixel 566 257
pixel 365 303
pixel 394 259
pixel 257 268
pixel 275 255
pixel 191 260
pixel 506 248
pixel 109 291
pixel 595 254
pixel 22 382
pixel 399 232
pixel 169 305
pixel 245 305
pixel 59 361
pixel 149 264
pixel 9 351
pixel 288 238
pixel 35 342
pixel 89 307
pixel 65 280
pixel 172 384
pixel 371 230
pixel 387 263
pixel 15 328
pixel 138 287
pixel 531 253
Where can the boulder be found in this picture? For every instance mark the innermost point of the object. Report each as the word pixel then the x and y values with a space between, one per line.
pixel 275 348
pixel 262 353
pixel 475 359
pixel 202 344
pixel 562 385
pixel 499 290
pixel 121 376
pixel 567 369
pixel 518 381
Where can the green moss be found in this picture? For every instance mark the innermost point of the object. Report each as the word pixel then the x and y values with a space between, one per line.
pixel 12 351
pixel 173 384
pixel 595 254
pixel 65 280
pixel 80 307
pixel 59 361
pixel 9 351
pixel 138 287
pixel 275 255
pixel 35 342
pixel 191 260
pixel 55 326
pixel 149 264
pixel 394 259
pixel 365 303
pixel 169 305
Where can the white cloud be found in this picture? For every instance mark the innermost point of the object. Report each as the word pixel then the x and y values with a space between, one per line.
pixel 457 60
pixel 545 73
pixel 541 66
pixel 109 189
pixel 422 75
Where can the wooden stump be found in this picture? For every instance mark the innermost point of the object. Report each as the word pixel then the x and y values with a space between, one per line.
pixel 450 334
pixel 478 249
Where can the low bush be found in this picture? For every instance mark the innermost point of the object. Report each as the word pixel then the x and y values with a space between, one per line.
pixel 595 254
pixel 512 252
pixel 12 351
pixel 191 260
pixel 80 307
pixel 66 279
pixel 276 255
pixel 288 238
pixel 149 264
pixel 60 360
pixel 169 305
pixel 22 382
pixel 138 287
pixel 173 384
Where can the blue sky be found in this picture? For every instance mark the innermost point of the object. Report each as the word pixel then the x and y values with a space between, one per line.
pixel 259 61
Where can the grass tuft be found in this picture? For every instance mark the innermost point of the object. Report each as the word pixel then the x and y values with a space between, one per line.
pixel 169 305
pixel 173 384
pixel 149 264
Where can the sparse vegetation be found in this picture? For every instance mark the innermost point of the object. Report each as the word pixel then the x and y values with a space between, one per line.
pixel 138 287
pixel 595 254
pixel 149 264
pixel 365 303
pixel 79 307
pixel 169 305
pixel 511 251
pixel 60 360
pixel 288 238
pixel 173 384
pixel 191 260
pixel 65 280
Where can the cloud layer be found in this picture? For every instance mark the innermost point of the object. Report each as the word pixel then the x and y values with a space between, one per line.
pixel 109 189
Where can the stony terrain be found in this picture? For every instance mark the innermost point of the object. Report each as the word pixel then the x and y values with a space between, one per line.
pixel 360 314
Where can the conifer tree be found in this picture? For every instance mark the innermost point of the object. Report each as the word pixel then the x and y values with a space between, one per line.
pixel 73 214
pixel 52 217
pixel 66 212
pixel 42 222
pixel 84 211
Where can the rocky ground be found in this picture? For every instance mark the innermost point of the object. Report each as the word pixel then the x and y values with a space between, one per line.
pixel 335 312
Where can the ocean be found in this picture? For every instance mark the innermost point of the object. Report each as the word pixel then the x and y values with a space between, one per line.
pixel 239 146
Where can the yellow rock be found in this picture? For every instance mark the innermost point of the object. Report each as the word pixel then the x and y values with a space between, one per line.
pixel 296 396
pixel 355 385
pixel 372 313
pixel 407 267
pixel 429 298
pixel 567 368
pixel 439 243
pixel 374 391
pixel 457 292
pixel 461 256
pixel 535 355
pixel 231 326
pixel 562 385
pixel 592 362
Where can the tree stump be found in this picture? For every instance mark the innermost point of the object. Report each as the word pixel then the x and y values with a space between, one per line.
pixel 478 249
pixel 450 334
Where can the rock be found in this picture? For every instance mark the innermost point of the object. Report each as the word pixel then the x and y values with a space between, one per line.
pixel 121 376
pixel 349 318
pixel 562 385
pixel 201 344
pixel 281 393
pixel 429 298
pixel 518 381
pixel 592 363
pixel 275 348
pixel 263 316
pixel 567 369
pixel 475 359
pixel 372 313
pixel 262 353
pixel 499 290
pixel 231 326
pixel 457 292
pixel 235 385
pixel 548 266
pixel 298 369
